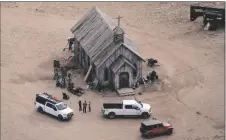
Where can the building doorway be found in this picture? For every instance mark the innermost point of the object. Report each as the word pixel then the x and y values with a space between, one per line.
pixel 124 80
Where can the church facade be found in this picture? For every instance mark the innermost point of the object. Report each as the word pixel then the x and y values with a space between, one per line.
pixel 104 52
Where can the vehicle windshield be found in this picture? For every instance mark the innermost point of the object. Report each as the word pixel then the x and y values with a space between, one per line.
pixel 139 102
pixel 61 106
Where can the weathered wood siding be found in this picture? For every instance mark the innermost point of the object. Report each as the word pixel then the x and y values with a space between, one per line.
pixel 128 55
pixel 82 59
pixel 125 68
pixel 76 53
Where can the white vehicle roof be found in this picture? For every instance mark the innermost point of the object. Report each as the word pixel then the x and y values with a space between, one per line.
pixel 129 102
pixel 49 97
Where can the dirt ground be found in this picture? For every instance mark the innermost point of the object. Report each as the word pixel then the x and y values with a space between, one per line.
pixel 191 66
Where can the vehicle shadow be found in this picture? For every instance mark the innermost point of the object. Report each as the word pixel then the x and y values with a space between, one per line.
pixel 45 116
pixel 156 137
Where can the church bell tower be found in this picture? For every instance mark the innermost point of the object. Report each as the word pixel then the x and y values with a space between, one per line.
pixel 118 33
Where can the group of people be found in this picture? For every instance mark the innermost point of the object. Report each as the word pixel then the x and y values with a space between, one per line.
pixel 83 106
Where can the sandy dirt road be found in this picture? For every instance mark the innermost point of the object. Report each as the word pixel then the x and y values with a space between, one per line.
pixel 192 67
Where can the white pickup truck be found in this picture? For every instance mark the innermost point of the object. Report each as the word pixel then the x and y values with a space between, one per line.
pixel 126 108
pixel 48 104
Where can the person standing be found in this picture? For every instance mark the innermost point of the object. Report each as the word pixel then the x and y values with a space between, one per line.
pixel 89 106
pixel 70 43
pixel 84 107
pixel 80 105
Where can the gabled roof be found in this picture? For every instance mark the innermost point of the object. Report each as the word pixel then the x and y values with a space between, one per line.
pixel 120 61
pixel 95 33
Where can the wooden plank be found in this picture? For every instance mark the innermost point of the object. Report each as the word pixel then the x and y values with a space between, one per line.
pixel 84 26
pixel 83 19
pixel 92 15
pixel 96 39
pixel 93 40
pixel 130 43
pixel 100 61
pixel 103 35
pixel 92 23
pixel 102 47
pixel 110 47
pixel 91 36
pixel 93 30
pixel 136 53
pixel 79 29
pixel 125 92
pixel 104 53
pixel 113 55
pixel 107 47
pixel 119 64
pixel 87 74
pixel 107 41
pixel 82 36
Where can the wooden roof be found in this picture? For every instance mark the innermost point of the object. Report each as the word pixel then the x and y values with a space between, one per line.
pixel 95 33
pixel 120 61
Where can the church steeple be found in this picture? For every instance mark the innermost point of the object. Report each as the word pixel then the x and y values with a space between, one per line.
pixel 118 32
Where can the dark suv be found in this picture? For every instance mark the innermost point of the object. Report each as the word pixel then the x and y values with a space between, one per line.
pixel 151 128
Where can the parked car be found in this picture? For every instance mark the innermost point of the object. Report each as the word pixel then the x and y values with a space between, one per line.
pixel 46 103
pixel 126 108
pixel 151 128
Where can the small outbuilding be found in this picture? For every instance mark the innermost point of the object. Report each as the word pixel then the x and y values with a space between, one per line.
pixel 104 52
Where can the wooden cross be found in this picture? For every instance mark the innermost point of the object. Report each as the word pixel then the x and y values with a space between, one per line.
pixel 118 20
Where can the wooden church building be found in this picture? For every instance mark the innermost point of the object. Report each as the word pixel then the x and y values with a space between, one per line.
pixel 104 52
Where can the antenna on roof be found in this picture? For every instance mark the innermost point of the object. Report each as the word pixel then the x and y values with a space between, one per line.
pixel 118 20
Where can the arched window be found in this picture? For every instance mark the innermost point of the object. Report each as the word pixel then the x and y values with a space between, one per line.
pixel 135 70
pixel 106 74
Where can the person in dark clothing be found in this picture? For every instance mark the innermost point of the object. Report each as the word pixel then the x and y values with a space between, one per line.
pixel 153 76
pixel 55 74
pixel 84 107
pixel 69 77
pixel 80 105
pixel 57 82
pixel 89 106
pixel 70 42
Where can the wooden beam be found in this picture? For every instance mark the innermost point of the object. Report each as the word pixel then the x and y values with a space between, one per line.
pixel 87 74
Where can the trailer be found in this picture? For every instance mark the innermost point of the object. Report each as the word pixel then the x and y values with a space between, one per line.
pixel 213 18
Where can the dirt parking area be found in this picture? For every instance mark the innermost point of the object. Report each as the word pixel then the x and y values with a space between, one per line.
pixel 191 66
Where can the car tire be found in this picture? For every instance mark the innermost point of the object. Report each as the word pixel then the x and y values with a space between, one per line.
pixel 40 109
pixel 145 115
pixel 170 131
pixel 60 117
pixel 111 115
